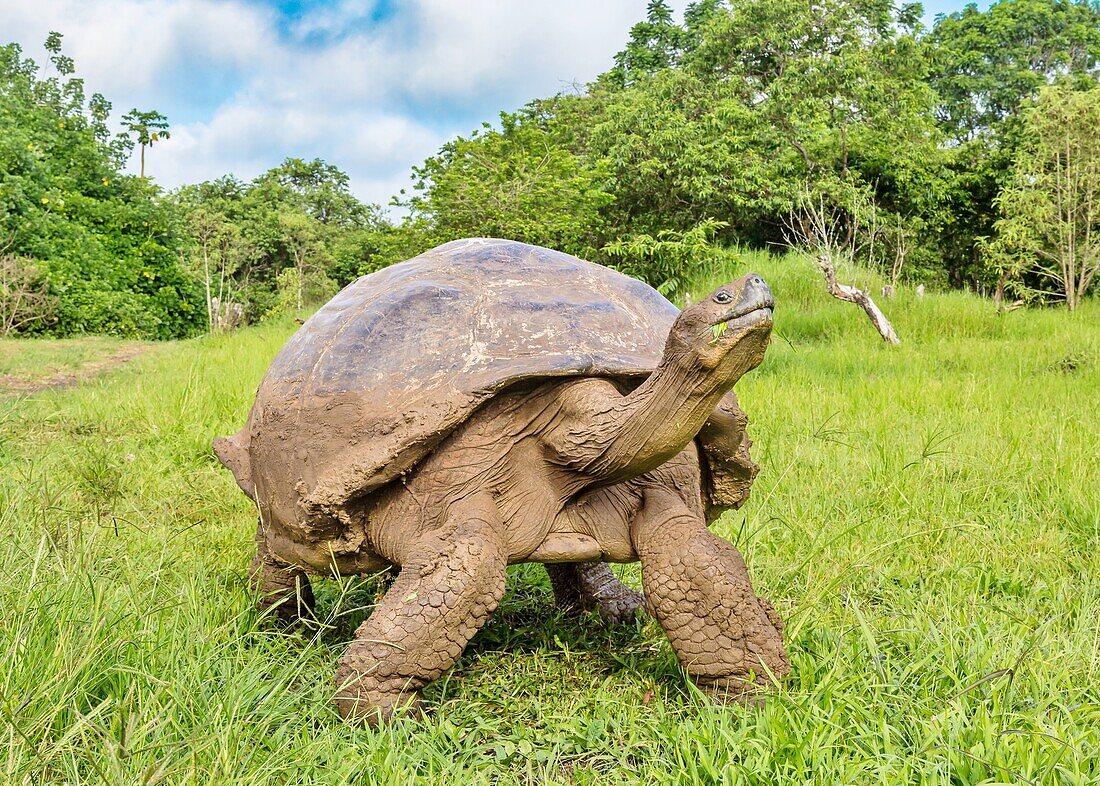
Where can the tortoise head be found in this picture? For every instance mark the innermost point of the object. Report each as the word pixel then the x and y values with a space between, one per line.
pixel 726 333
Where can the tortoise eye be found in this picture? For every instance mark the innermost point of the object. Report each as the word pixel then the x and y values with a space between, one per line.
pixel 723 297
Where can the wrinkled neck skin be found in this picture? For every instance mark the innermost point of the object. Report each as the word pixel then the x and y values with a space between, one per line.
pixel 655 422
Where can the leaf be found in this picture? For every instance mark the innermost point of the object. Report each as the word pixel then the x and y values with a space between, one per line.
pixel 717 331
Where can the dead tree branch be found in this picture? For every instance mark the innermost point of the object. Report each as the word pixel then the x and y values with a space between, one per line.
pixel 828 234
pixel 860 298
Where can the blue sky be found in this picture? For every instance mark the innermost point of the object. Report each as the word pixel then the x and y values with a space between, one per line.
pixel 373 86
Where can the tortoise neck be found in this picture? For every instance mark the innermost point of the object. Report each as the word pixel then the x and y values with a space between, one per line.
pixel 678 397
pixel 665 412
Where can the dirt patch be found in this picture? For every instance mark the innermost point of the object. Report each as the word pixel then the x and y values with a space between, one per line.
pixel 12 383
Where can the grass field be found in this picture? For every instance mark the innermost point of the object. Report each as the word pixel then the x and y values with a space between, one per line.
pixel 927 520
pixel 32 363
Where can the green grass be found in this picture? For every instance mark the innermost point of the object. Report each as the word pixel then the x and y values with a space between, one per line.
pixel 31 359
pixel 927 520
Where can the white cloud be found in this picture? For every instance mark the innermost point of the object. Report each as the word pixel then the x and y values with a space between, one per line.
pixel 131 47
pixel 374 98
pixel 245 138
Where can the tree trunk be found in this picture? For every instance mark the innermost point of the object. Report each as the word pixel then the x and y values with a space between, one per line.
pixel 860 298
pixel 206 276
pixel 999 292
pixel 301 276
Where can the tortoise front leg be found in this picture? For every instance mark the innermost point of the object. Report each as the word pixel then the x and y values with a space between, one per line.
pixel 451 583
pixel 729 640
pixel 279 587
pixel 581 587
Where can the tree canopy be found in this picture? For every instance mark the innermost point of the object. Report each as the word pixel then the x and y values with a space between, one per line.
pixel 719 128
pixel 731 117
pixel 101 251
pixel 1048 236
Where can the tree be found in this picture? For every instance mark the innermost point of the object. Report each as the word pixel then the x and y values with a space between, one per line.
pixel 517 182
pixel 321 190
pixel 658 42
pixel 667 259
pixel 223 253
pixel 1050 225
pixel 306 278
pixel 984 66
pixel 147 128
pixel 770 98
pixel 986 63
pixel 655 44
pixel 836 241
pixel 679 150
pixel 282 241
pixel 725 118
pixel 105 244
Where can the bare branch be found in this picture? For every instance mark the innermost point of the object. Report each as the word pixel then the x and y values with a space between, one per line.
pixel 860 298
pixel 24 295
pixel 817 231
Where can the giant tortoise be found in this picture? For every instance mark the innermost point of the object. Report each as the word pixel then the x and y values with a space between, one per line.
pixel 490 402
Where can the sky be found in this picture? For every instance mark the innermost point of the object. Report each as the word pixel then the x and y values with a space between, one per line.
pixel 372 86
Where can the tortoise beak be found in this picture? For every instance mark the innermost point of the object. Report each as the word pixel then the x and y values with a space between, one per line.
pixel 755 296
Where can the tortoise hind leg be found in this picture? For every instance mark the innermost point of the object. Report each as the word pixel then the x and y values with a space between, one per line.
pixel 729 640
pixel 582 587
pixel 451 582
pixel 279 587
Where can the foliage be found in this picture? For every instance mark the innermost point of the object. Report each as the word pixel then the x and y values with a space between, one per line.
pixel 668 258
pixel 147 128
pixel 25 298
pixel 728 119
pixel 304 242
pixel 986 63
pixel 985 66
pixel 218 258
pixel 119 257
pixel 1051 210
pixel 728 116
pixel 104 242
pixel 655 44
pixel 517 183
pixel 245 237
pixel 678 150
pixel 743 107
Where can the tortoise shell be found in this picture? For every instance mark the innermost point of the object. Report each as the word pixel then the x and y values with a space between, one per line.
pixel 383 372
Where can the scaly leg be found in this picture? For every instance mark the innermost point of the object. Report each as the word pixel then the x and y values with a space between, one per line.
pixel 279 587
pixel 728 640
pixel 581 587
pixel 446 590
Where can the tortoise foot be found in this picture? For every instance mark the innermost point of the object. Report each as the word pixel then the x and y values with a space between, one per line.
pixel 583 587
pixel 359 704
pixel 444 593
pixel 283 592
pixel 726 637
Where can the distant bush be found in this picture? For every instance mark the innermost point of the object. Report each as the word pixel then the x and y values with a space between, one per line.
pixel 667 259
pixel 286 240
pixel 25 298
